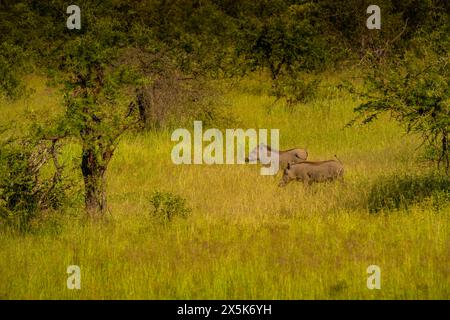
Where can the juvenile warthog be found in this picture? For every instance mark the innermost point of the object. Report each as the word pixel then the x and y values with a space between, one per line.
pixel 284 157
pixel 313 171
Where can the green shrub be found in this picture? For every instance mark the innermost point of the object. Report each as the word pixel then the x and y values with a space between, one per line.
pixel 11 64
pixel 167 206
pixel 295 89
pixel 400 192
pixel 25 192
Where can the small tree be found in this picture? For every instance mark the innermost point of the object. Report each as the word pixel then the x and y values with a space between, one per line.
pixel 99 102
pixel 285 40
pixel 416 92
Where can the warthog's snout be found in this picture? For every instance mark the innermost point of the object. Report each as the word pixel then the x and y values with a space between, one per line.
pixel 285 178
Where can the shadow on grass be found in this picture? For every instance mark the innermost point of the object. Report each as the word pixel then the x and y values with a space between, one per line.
pixel 400 192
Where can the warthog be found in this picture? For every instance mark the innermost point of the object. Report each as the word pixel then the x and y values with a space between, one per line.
pixel 284 157
pixel 313 171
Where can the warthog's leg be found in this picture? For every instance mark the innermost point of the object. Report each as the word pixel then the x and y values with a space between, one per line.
pixel 284 181
pixel 306 182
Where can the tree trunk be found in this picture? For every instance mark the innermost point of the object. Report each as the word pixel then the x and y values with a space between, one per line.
pixel 445 155
pixel 142 107
pixel 94 182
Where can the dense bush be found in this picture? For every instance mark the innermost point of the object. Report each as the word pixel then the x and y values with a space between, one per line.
pixel 171 101
pixel 400 192
pixel 25 189
pixel 166 206
pixel 11 63
pixel 295 90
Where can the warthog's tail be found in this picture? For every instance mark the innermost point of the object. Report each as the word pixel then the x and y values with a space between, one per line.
pixel 338 159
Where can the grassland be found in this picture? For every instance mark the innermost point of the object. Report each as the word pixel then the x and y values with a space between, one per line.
pixel 246 238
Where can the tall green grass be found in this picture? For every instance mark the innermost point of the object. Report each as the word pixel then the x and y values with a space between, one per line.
pixel 245 238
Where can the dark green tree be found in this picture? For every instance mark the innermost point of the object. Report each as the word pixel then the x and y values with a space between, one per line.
pixel 415 90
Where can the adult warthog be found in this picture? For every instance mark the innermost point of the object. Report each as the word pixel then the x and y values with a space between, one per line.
pixel 313 171
pixel 285 157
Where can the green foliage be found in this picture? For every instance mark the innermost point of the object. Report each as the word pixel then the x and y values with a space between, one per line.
pixel 219 38
pixel 25 190
pixel 167 206
pixel 11 64
pixel 295 90
pixel 17 204
pixel 285 40
pixel 400 192
pixel 416 92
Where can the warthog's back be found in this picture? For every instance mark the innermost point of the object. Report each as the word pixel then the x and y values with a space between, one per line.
pixel 312 171
pixel 292 156
pixel 317 171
